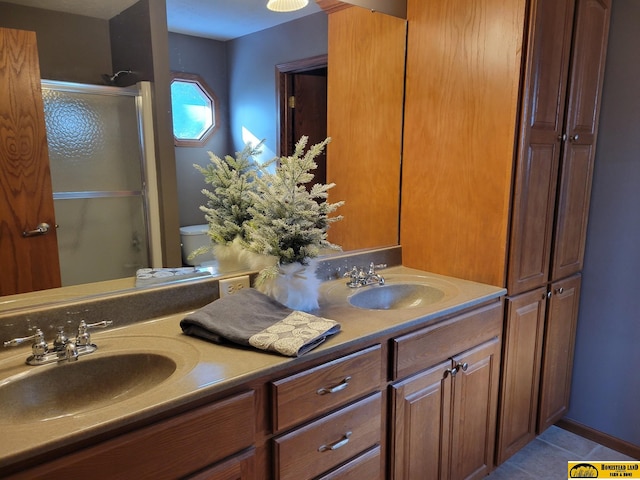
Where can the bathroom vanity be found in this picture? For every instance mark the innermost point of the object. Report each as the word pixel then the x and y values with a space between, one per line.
pixel 421 377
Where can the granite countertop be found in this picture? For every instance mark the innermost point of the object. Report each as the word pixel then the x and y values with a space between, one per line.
pixel 204 368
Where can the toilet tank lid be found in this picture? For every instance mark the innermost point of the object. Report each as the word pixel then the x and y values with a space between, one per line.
pixel 194 229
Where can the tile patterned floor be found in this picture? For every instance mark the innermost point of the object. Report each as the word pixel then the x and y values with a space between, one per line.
pixel 546 457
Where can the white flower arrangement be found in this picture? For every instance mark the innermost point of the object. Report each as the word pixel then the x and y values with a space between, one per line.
pixel 228 201
pixel 290 222
pixel 271 221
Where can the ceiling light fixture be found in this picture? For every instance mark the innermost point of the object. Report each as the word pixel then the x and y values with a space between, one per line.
pixel 286 5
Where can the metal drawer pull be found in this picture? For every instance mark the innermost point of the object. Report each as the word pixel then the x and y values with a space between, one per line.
pixel 336 388
pixel 41 229
pixel 334 446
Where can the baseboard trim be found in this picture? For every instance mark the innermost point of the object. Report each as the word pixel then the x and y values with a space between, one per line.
pixel 600 437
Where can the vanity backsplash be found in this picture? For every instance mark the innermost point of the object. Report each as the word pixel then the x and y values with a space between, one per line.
pixel 139 304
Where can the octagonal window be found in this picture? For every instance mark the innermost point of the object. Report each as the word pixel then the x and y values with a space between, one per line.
pixel 194 109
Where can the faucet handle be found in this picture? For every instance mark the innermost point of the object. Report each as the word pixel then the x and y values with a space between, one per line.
pixel 84 337
pixel 39 346
pixel 373 267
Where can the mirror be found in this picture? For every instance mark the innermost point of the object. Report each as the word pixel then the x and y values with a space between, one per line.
pixel 81 66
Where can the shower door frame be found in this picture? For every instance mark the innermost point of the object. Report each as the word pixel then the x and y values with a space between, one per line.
pixel 142 93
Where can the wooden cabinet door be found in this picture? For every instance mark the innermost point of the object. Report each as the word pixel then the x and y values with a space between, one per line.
pixel 474 411
pixel 420 419
pixel 557 359
pixel 583 109
pixel 26 197
pixel 522 349
pixel 539 147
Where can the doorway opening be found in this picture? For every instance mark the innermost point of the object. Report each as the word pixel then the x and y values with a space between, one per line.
pixel 302 99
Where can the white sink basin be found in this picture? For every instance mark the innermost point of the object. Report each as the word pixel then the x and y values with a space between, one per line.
pixel 400 291
pixel 70 388
pixel 396 295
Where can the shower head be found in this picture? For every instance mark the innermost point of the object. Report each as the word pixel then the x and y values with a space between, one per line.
pixel 111 79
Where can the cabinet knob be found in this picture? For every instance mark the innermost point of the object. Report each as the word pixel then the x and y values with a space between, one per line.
pixel 462 366
pixel 451 371
pixel 548 295
pixel 560 290
pixel 574 138
pixel 562 137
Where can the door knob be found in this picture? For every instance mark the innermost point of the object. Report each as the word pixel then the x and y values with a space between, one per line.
pixel 41 229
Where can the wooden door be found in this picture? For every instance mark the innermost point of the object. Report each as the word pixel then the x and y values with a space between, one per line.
pixel 26 198
pixel 591 33
pixel 540 140
pixel 421 412
pixel 557 359
pixel 474 411
pixel 522 349
pixel 305 106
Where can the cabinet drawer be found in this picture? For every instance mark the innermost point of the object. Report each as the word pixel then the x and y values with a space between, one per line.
pixel 366 466
pixel 318 390
pixel 168 449
pixel 316 448
pixel 418 350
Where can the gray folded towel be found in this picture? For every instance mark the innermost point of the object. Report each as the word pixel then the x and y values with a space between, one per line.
pixel 253 319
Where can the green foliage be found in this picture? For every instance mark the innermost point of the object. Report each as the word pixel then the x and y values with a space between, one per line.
pixel 289 221
pixel 232 180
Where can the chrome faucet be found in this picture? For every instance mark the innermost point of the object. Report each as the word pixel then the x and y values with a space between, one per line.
pixel 358 277
pixel 62 349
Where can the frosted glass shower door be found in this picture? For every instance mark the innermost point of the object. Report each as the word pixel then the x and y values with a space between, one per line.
pixel 96 156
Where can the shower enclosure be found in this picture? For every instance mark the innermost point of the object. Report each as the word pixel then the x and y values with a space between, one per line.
pixel 103 179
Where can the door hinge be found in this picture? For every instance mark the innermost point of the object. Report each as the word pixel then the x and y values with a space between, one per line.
pixel 292 102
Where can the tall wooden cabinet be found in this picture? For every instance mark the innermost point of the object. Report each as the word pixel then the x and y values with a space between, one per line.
pixel 499 144
pixel 501 112
pixel 563 79
pixel 559 121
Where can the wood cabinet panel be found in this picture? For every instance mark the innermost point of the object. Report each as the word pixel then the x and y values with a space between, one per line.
pixel 366 54
pixel 317 390
pixel 573 210
pixel 583 111
pixel 462 98
pixel 427 346
pixel 523 335
pixel 549 46
pixel 325 443
pixel 533 215
pixel 444 417
pixel 167 450
pixel 539 144
pixel 591 34
pixel 557 360
pixel 421 414
pixel 475 399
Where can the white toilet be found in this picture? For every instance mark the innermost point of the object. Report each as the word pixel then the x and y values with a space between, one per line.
pixel 193 237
